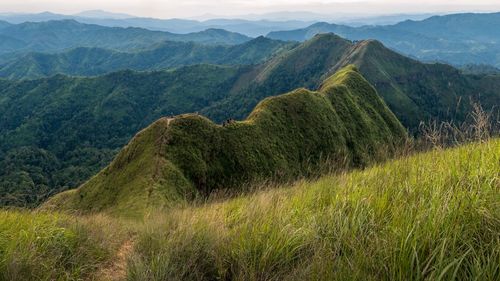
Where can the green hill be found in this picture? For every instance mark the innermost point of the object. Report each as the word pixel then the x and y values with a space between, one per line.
pixel 431 216
pixel 97 61
pixel 428 216
pixel 345 123
pixel 416 91
pixel 57 132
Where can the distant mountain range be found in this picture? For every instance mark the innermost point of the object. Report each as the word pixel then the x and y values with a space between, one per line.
pixel 97 61
pixel 56 36
pixel 56 132
pixel 479 69
pixel 353 19
pixel 100 14
pixel 458 39
pixel 252 28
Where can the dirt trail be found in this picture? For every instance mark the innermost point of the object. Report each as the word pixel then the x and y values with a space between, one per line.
pixel 117 270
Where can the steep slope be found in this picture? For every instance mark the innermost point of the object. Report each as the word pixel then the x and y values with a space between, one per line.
pixel 55 36
pixel 414 91
pixel 418 92
pixel 303 66
pixel 96 61
pixel 345 123
pixel 458 39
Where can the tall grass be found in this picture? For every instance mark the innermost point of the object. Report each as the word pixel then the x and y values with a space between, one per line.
pixel 426 216
pixel 479 126
pixel 431 216
pixel 42 246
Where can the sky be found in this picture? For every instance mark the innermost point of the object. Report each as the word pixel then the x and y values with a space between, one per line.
pixel 194 8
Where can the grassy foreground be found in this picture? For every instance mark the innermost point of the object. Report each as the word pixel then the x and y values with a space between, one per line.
pixel 43 246
pixel 431 216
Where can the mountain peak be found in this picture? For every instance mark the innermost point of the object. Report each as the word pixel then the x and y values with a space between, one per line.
pixel 320 24
pixel 327 36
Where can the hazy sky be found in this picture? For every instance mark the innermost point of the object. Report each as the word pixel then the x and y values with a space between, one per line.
pixel 190 8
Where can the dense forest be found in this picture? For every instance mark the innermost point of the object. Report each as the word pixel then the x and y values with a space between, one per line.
pixel 56 132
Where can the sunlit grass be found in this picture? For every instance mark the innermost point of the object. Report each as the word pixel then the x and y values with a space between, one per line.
pixel 431 216
pixel 41 246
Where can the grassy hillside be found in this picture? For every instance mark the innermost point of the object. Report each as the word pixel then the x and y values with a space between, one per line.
pixel 431 216
pixel 345 124
pixel 96 61
pixel 42 246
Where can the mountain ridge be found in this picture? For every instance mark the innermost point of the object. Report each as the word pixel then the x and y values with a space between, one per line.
pixel 251 28
pixel 85 61
pixel 80 123
pixel 176 157
pixel 416 92
pixel 58 35
pixel 457 38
